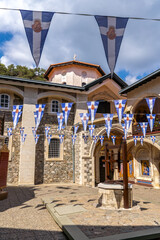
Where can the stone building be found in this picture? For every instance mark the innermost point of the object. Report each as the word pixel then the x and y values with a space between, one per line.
pixel 75 82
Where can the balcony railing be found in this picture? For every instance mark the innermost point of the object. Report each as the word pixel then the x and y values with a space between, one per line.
pixel 136 128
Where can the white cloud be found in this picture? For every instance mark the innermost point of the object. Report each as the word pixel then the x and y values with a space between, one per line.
pixel 131 79
pixel 71 34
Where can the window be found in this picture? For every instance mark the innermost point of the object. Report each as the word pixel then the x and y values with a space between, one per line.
pixel 84 78
pixel 54 148
pixel 6 141
pixel 64 78
pixel 4 101
pixel 1 125
pixel 103 107
pixel 54 106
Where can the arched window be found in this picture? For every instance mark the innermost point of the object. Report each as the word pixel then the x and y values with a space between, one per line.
pixel 54 148
pixel 103 107
pixel 4 101
pixel 54 106
pixel 63 77
pixel 84 78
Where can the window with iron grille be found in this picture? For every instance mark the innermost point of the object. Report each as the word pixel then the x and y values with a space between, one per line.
pixel 55 106
pixel 54 148
pixel 4 101
pixel 6 141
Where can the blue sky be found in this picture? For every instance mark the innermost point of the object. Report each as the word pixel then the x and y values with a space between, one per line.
pixel 70 34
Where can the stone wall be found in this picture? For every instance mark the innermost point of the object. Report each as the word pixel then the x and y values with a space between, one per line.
pixel 49 171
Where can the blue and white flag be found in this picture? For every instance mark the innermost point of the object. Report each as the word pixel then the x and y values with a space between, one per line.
pixel 74 139
pixel 135 140
pixel 151 119
pixel 61 137
pixel 47 131
pixel 75 129
pixel 9 132
pixel 124 130
pixel 108 130
pixel 66 108
pixel 84 118
pixel 153 138
pixel 108 119
pixel 23 137
pixel 95 138
pixel 91 129
pixel 101 138
pixel 16 113
pixel 141 140
pixel 60 127
pixel 60 118
pixel 92 107
pixel 151 102
pixel 111 30
pixel 113 139
pixel 21 131
pixel 36 137
pixel 128 119
pixel 49 137
pixel 144 126
pixel 36 26
pixel 120 105
pixel 85 137
pixel 34 131
pixel 38 114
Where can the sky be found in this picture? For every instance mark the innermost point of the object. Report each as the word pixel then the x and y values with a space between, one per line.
pixel 71 34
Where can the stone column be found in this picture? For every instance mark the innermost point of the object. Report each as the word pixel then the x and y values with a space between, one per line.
pixel 27 150
pixel 156 174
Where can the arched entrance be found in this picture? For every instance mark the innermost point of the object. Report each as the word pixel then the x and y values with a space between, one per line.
pixel 99 157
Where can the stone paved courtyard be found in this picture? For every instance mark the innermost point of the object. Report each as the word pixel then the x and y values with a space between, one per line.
pixel 23 216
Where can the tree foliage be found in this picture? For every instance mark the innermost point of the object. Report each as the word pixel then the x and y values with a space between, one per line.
pixel 22 72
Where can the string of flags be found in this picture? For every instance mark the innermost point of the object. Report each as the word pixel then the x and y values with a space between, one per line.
pixel 124 119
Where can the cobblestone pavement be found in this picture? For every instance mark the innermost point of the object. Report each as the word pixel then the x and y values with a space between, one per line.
pixel 23 216
pixel 97 222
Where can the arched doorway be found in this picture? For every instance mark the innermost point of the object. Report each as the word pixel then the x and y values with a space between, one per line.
pixel 99 157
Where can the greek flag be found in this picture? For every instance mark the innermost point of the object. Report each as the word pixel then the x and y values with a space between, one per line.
pixel 127 119
pixel 34 131
pixel 47 131
pixel 85 137
pixel 101 139
pixel 74 139
pixel 95 138
pixel 113 139
pixel 153 138
pixel 36 26
pixel 23 137
pixel 151 119
pixel 9 132
pixel 108 119
pixel 21 131
pixel 124 130
pixel 36 137
pixel 16 113
pixel 61 137
pixel 92 107
pixel 38 114
pixel 75 129
pixel 60 120
pixel 84 118
pixel 66 108
pixel 141 140
pixel 144 126
pixel 91 129
pixel 120 105
pixel 112 31
pixel 49 138
pixel 150 102
pixel 135 140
